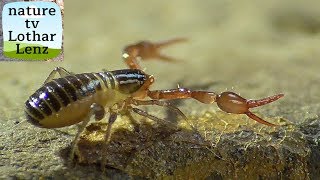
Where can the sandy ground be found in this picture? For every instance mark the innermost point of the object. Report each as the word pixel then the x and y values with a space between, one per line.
pixel 253 48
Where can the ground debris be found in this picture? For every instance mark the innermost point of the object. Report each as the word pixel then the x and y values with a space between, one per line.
pixel 220 149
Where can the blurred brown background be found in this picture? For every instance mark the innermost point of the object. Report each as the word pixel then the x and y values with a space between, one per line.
pixel 256 48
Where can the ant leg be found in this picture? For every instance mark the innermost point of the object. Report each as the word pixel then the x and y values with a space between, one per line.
pixel 60 70
pixel 205 97
pixel 227 101
pixel 180 93
pixel 147 50
pixel 107 137
pixel 132 120
pixel 145 114
pixel 160 103
pixel 95 109
pixel 167 105
pixel 112 119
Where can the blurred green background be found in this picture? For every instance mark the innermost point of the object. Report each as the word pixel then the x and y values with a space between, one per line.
pixel 255 48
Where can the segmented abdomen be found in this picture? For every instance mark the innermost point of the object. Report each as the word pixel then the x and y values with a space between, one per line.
pixel 58 93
